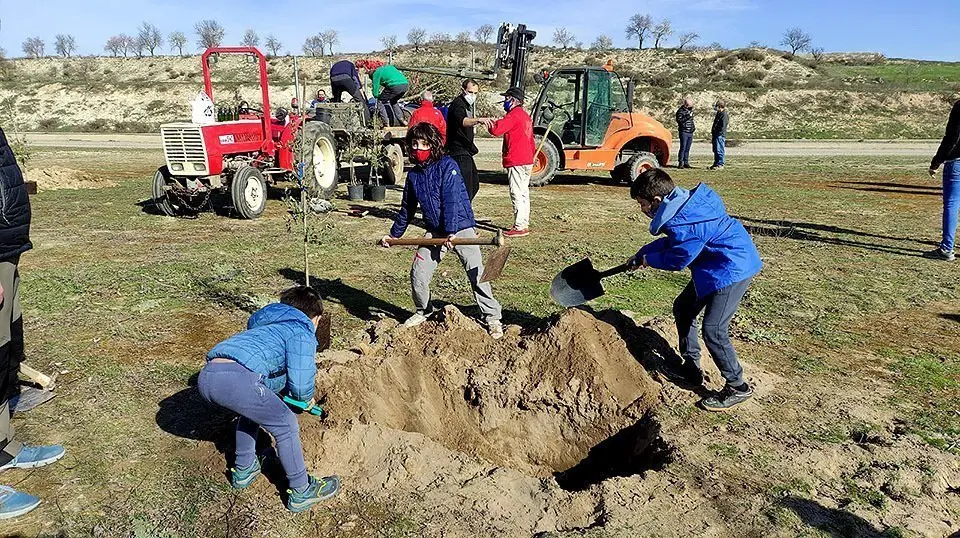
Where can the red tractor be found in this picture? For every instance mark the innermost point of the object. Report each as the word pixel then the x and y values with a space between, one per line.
pixel 243 155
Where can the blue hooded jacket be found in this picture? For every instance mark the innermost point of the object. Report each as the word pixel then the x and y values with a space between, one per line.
pixel 440 192
pixel 701 235
pixel 280 343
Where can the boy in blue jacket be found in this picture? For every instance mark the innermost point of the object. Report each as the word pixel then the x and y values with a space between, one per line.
pixel 245 374
pixel 723 260
pixel 434 184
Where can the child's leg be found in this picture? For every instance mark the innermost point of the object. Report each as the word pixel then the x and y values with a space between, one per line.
pixel 472 259
pixel 246 445
pixel 425 262
pixel 720 308
pixel 686 308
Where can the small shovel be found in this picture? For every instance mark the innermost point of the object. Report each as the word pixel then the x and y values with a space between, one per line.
pixel 492 267
pixel 580 283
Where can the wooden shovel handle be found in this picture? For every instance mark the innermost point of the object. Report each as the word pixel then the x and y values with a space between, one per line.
pixel 423 242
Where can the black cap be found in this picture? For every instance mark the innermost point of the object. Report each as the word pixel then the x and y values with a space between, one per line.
pixel 514 92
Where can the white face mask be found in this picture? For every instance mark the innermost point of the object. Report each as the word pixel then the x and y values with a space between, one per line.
pixel 471 98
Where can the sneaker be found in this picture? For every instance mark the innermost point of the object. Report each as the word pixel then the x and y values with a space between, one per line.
pixel 728 398
pixel 317 490
pixel 241 477
pixel 415 320
pixel 685 373
pixel 686 166
pixel 14 503
pixel 31 457
pixel 940 254
pixel 516 232
pixel 496 329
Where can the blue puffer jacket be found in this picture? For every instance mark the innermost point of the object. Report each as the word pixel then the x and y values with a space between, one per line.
pixel 440 192
pixel 14 205
pixel 700 234
pixel 280 343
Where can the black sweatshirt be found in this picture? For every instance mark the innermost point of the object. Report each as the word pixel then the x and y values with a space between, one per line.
pixel 950 146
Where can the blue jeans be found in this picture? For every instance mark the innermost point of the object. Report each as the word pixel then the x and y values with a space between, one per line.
pixel 230 385
pixel 951 203
pixel 718 308
pixel 686 140
pixel 719 149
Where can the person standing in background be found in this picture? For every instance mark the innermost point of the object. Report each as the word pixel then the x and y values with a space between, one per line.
pixel 461 120
pixel 948 155
pixel 719 135
pixel 686 128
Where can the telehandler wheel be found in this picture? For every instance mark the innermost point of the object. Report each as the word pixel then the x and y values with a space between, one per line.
pixel 545 163
pixel 161 198
pixel 248 191
pixel 636 165
pixel 320 159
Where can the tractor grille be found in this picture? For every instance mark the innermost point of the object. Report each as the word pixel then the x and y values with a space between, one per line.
pixel 183 144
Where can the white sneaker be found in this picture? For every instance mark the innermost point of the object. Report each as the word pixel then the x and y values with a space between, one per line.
pixel 496 329
pixel 415 320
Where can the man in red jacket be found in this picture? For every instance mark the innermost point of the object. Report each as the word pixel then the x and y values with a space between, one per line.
pixel 516 128
pixel 427 113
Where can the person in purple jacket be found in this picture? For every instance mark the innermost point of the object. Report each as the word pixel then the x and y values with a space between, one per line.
pixel 344 78
pixel 435 186
pixel 246 373
pixel 723 260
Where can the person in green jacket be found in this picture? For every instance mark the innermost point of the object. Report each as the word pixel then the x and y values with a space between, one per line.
pixel 389 85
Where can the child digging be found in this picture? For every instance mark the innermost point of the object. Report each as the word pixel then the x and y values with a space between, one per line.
pixel 434 184
pixel 246 372
pixel 723 260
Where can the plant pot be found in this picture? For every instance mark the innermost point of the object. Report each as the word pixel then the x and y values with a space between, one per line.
pixel 374 193
pixel 355 193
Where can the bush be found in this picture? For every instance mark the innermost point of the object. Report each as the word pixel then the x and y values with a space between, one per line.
pixel 768 65
pixel 48 124
pixel 751 55
pixel 727 62
pixel 752 79
pixel 662 80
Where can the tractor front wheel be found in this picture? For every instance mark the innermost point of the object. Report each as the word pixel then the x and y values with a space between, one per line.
pixel 161 194
pixel 636 165
pixel 545 163
pixel 248 191
pixel 320 159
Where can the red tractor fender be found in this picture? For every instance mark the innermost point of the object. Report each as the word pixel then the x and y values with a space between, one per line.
pixel 284 146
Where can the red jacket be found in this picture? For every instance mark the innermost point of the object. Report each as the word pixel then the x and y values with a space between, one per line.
pixel 516 128
pixel 429 114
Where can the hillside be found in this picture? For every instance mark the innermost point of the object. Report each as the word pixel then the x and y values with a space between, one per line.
pixel 769 95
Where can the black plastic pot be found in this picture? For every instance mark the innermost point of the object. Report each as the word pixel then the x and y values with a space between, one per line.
pixel 374 193
pixel 355 193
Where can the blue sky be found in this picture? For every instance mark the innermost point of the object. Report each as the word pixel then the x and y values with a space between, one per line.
pixel 927 29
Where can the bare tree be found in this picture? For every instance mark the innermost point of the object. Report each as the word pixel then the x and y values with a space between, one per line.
pixel 817 53
pixel 209 33
pixel 440 37
pixel 484 33
pixel 33 47
pixel 250 38
pixel 330 38
pixel 149 36
pixel 463 38
pixel 114 46
pixel 64 45
pixel 273 45
pixel 177 40
pixel 417 37
pixel 797 40
pixel 314 46
pixel 138 46
pixel 639 27
pixel 686 39
pixel 127 44
pixel 661 32
pixel 389 42
pixel 563 37
pixel 602 43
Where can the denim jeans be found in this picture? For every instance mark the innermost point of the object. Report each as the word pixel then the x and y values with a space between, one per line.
pixel 230 385
pixel 719 150
pixel 686 140
pixel 719 308
pixel 951 203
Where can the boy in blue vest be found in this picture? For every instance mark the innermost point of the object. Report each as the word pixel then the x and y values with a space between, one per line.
pixel 246 373
pixel 699 234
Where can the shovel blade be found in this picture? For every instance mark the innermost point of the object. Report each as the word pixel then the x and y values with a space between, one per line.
pixel 576 284
pixel 493 267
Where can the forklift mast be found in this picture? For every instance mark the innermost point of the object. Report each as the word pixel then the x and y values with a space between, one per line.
pixel 512 52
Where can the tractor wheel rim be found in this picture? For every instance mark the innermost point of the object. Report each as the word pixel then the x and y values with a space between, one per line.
pixel 323 166
pixel 253 194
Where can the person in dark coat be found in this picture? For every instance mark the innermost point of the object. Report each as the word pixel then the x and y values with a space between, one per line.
pixel 719 134
pixel 948 156
pixel 686 127
pixel 345 78
pixel 461 121
pixel 14 241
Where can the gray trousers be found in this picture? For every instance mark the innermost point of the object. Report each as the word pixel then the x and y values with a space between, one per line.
pixel 11 353
pixel 388 104
pixel 425 262
pixel 718 309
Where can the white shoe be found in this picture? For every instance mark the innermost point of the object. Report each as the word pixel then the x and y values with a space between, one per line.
pixel 496 329
pixel 415 320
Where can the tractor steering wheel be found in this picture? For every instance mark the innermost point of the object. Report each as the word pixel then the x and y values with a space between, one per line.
pixel 244 108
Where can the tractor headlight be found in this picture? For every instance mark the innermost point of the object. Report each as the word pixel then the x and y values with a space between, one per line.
pixel 199 167
pixel 177 167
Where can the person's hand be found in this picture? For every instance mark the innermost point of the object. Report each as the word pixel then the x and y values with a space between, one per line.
pixel 634 263
pixel 449 243
pixel 385 241
pixel 933 172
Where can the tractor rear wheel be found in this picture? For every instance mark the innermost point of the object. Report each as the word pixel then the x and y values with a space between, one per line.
pixel 248 191
pixel 161 196
pixel 320 164
pixel 545 163
pixel 393 169
pixel 636 165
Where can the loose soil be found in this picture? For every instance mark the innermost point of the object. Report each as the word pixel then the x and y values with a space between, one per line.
pixel 57 177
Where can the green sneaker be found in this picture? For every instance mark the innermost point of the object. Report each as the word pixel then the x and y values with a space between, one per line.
pixel 727 399
pixel 240 478
pixel 317 490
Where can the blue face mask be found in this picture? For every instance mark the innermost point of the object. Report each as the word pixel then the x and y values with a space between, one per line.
pixel 507 105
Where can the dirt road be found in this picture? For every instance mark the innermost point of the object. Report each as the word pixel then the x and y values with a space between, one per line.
pixel 490 148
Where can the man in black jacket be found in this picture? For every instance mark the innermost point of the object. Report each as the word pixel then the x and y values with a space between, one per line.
pixel 719 133
pixel 14 241
pixel 686 127
pixel 949 156
pixel 461 119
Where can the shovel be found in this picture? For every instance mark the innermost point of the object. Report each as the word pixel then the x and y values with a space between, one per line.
pixel 492 267
pixel 580 283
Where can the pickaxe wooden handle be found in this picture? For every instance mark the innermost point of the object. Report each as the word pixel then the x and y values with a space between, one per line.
pixel 496 241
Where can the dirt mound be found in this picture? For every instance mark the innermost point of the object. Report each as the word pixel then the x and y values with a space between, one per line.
pixel 57 177
pixel 525 426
